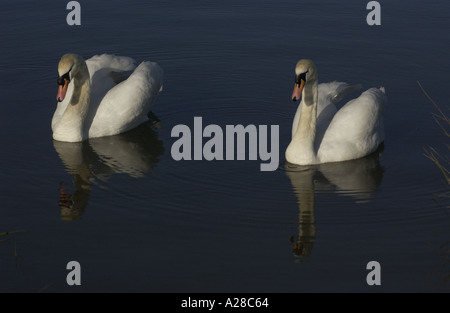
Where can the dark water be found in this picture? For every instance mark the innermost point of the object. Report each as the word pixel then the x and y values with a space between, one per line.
pixel 136 220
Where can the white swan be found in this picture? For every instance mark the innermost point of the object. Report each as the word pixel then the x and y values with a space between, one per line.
pixel 323 134
pixel 91 103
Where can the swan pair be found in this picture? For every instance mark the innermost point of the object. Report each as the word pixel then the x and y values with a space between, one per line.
pixel 99 97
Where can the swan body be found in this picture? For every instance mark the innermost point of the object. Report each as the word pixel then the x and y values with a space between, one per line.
pixel 320 132
pixel 99 97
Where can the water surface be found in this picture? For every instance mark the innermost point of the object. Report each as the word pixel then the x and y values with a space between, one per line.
pixel 138 221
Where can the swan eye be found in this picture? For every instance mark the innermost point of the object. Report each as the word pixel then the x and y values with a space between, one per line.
pixel 63 78
pixel 300 77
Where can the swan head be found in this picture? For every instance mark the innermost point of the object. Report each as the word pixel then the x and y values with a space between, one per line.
pixel 68 68
pixel 305 71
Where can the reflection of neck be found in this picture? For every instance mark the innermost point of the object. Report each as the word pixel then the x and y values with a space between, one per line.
pixel 306 219
pixel 75 156
pixel 303 184
pixel 73 205
pixel 80 98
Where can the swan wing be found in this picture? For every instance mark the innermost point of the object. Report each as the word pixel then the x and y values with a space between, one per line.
pixel 329 91
pixel 126 105
pixel 330 94
pixel 103 70
pixel 325 108
pixel 98 63
pixel 356 129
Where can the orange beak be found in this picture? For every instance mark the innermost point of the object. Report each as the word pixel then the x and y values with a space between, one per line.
pixel 62 91
pixel 298 88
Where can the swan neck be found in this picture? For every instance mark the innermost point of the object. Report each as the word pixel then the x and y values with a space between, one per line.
pixel 81 91
pixel 301 150
pixel 72 126
pixel 306 130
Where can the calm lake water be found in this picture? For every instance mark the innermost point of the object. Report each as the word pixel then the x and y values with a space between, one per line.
pixel 138 221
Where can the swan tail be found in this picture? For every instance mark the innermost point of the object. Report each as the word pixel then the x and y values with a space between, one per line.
pixel 112 62
pixel 375 95
pixel 156 122
pixel 343 91
pixel 119 77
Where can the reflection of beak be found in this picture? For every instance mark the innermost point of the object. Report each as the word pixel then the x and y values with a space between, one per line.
pixel 298 88
pixel 62 90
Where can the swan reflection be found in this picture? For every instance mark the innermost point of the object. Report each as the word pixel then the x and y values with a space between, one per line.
pixel 356 178
pixel 134 153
